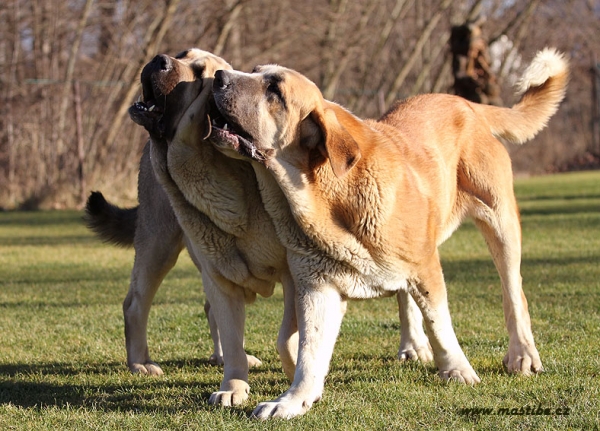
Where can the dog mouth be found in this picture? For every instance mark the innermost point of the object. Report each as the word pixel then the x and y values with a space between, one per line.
pixel 151 103
pixel 225 133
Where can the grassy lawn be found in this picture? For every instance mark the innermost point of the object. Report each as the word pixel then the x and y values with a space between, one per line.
pixel 62 354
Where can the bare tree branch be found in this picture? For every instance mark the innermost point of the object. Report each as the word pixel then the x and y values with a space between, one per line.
pixel 235 9
pixel 531 6
pixel 154 39
pixel 69 74
pixel 433 22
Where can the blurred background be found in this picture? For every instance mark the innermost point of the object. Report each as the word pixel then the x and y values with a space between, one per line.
pixel 70 69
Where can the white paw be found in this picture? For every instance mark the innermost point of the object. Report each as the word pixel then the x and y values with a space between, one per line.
pixel 464 375
pixel 411 353
pixel 236 394
pixel 280 409
pixel 148 369
pixel 523 360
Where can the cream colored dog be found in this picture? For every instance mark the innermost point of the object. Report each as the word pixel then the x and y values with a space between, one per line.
pixel 219 210
pixel 374 199
pixel 151 228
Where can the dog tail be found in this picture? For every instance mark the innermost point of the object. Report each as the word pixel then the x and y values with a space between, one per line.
pixel 109 222
pixel 543 86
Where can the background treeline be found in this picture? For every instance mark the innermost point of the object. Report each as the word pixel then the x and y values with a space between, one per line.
pixel 69 70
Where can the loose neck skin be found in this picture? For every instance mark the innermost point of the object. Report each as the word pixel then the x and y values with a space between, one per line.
pixel 195 166
pixel 310 220
pixel 278 208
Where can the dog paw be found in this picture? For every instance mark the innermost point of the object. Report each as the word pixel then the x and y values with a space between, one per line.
pixel 236 394
pixel 464 375
pixel 410 353
pixel 148 369
pixel 216 359
pixel 280 409
pixel 523 360
pixel 253 361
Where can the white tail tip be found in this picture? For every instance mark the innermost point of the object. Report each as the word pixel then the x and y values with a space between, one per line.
pixel 546 64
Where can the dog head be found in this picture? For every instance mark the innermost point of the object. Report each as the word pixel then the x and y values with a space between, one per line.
pixel 170 86
pixel 275 112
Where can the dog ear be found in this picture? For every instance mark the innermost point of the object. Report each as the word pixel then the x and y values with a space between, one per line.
pixel 322 129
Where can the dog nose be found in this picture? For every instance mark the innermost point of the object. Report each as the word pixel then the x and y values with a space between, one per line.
pixel 162 63
pixel 221 80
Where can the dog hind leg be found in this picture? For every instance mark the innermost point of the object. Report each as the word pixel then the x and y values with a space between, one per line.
pixel 287 340
pixel 155 257
pixel 502 233
pixel 414 344
pixel 494 208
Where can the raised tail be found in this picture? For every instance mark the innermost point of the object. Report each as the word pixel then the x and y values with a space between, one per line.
pixel 543 86
pixel 109 222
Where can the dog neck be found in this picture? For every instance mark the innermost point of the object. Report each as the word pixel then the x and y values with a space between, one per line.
pixel 300 224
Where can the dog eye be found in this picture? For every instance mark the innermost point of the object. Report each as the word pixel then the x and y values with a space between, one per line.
pixel 198 70
pixel 273 88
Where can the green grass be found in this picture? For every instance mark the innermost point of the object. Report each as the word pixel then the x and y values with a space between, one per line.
pixel 62 355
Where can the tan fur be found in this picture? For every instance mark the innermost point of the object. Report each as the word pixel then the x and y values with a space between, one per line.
pixel 374 199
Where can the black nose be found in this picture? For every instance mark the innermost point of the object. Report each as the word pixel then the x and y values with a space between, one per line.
pixel 221 80
pixel 161 63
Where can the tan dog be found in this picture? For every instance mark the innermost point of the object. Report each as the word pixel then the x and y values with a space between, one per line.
pixel 375 199
pixel 219 217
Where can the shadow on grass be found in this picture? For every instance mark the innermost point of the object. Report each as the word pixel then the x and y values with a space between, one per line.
pixel 557 196
pixel 134 393
pixel 59 369
pixel 572 208
pixel 72 273
pixel 484 271
pixel 106 397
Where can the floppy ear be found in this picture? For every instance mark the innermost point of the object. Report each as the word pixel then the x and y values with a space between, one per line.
pixel 339 146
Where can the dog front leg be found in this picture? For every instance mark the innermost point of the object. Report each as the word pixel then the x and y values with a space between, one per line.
pixel 320 310
pixel 227 305
pixel 430 295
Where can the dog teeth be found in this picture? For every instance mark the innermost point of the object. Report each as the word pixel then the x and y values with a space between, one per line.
pixel 216 124
pixel 151 108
